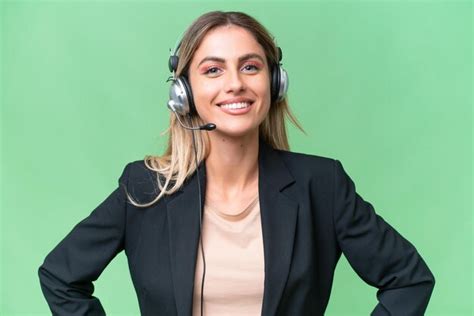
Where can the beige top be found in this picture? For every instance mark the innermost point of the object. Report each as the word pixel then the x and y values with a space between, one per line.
pixel 233 249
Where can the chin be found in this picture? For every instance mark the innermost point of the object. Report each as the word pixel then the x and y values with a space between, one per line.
pixel 238 131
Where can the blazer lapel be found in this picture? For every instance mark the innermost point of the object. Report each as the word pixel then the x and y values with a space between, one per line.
pixel 183 226
pixel 278 215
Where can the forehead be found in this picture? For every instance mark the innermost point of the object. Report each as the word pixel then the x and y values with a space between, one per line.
pixel 228 42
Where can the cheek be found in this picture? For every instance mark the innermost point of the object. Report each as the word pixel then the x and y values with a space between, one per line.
pixel 262 88
pixel 204 94
pixel 261 85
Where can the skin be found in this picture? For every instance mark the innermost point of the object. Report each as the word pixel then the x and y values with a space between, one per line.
pixel 232 165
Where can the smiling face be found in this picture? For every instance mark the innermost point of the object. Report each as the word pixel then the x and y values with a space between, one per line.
pixel 230 80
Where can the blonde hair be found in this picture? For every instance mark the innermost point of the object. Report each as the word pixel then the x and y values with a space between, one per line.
pixel 177 163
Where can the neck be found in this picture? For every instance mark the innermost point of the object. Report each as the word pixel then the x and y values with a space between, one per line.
pixel 232 164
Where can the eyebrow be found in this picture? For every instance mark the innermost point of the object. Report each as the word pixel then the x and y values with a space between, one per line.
pixel 241 58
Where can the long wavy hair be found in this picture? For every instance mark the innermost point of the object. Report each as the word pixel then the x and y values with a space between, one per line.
pixel 177 163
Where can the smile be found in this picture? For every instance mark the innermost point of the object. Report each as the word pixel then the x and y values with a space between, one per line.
pixel 236 108
pixel 239 105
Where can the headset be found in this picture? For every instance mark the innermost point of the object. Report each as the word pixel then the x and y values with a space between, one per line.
pixel 181 103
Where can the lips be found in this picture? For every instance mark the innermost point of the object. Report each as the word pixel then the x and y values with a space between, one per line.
pixel 236 106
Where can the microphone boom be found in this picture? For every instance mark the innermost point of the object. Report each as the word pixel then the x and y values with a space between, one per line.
pixel 206 127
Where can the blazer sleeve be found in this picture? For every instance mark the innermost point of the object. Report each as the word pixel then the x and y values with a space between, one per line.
pixel 379 254
pixel 68 271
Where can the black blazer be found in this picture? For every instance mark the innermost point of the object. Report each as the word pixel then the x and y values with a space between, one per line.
pixel 310 213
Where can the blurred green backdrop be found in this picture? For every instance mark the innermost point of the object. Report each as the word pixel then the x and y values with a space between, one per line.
pixel 383 86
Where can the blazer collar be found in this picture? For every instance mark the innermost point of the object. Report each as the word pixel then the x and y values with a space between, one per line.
pixel 278 216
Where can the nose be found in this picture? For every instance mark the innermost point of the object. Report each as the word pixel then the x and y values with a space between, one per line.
pixel 234 82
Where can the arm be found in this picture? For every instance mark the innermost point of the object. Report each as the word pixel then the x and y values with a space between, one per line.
pixel 379 254
pixel 68 271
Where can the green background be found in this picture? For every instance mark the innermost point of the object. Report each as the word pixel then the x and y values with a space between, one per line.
pixel 383 86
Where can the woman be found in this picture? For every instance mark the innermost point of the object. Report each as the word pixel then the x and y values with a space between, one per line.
pixel 273 222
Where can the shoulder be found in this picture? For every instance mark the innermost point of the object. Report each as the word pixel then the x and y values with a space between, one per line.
pixel 306 159
pixel 137 170
pixel 140 181
pixel 312 167
pixel 319 172
pixel 308 164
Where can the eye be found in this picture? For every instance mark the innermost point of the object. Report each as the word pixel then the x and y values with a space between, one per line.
pixel 252 68
pixel 212 71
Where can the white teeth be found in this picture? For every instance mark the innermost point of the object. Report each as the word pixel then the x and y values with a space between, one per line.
pixel 239 105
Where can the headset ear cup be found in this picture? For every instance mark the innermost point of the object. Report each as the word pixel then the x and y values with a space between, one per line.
pixel 284 83
pixel 189 95
pixel 180 97
pixel 279 83
pixel 275 84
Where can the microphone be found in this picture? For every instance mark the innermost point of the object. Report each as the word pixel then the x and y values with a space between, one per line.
pixel 208 127
pixel 205 127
